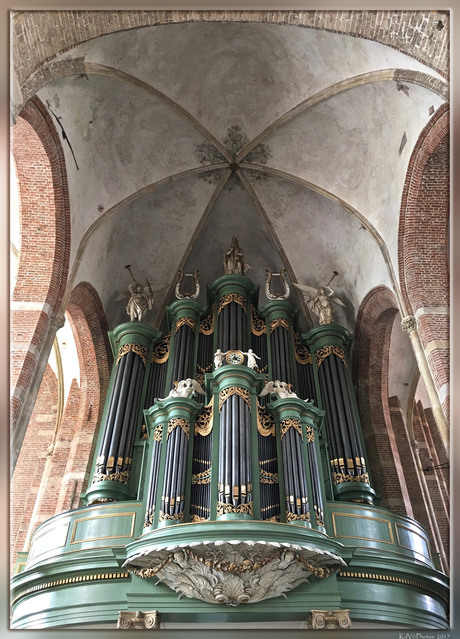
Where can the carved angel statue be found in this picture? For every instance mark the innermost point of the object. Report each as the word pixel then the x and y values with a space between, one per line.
pixel 141 299
pixel 219 358
pixel 319 300
pixel 185 388
pixel 180 276
pixel 251 358
pixel 276 296
pixel 234 261
pixel 281 389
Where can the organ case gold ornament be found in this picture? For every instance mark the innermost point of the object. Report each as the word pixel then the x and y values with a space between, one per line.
pixel 280 321
pixel 160 353
pixel 302 354
pixel 291 422
pixel 232 390
pixel 258 326
pixel 265 423
pixel 324 352
pixel 203 422
pixel 185 321
pixel 207 323
pixel 135 348
pixel 232 297
pixel 182 423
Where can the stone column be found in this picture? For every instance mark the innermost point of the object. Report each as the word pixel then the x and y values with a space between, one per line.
pixel 409 326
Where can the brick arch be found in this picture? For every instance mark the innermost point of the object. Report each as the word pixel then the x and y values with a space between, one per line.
pixel 85 403
pixel 374 325
pixel 423 246
pixel 43 258
pixel 36 40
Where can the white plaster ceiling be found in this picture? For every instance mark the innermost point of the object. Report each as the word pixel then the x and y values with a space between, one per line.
pixel 151 123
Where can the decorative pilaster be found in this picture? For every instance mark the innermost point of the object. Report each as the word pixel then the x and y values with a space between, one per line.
pixel 132 344
pixel 329 619
pixel 328 345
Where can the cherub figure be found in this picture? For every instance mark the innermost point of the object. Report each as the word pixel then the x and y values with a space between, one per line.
pixel 219 358
pixel 319 300
pixel 251 358
pixel 185 388
pixel 281 389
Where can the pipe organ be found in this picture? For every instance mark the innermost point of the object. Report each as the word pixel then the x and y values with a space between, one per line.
pixel 230 469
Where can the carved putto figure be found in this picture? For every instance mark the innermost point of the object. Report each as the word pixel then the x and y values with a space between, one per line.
pixel 251 362
pixel 219 358
pixel 275 296
pixel 281 389
pixel 180 276
pixel 319 300
pixel 185 388
pixel 234 261
pixel 141 299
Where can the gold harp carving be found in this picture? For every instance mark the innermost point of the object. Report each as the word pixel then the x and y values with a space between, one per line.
pixel 232 297
pixel 135 348
pixel 160 353
pixel 258 325
pixel 302 354
pixel 228 392
pixel 203 422
pixel 324 352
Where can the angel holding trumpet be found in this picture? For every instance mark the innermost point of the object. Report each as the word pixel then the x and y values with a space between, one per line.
pixel 320 299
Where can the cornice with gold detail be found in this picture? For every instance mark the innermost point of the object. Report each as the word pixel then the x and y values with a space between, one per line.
pixel 135 348
pixel 232 297
pixel 279 321
pixel 232 390
pixel 203 421
pixel 73 580
pixel 160 353
pixel 325 351
pixel 348 574
pixel 291 422
pixel 181 422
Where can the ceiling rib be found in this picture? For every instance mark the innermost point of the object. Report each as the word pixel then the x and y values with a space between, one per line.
pixel 117 207
pixel 334 89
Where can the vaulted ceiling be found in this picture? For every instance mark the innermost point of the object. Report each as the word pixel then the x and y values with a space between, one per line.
pixel 297 140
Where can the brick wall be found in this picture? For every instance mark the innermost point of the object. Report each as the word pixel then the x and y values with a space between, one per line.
pixel 38 36
pixel 57 485
pixel 424 246
pixel 44 254
pixel 370 370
